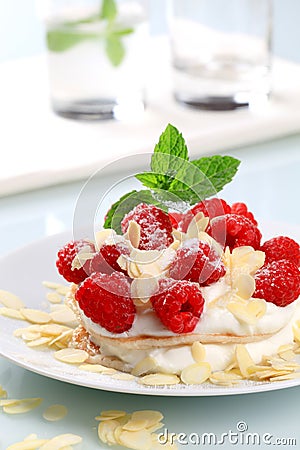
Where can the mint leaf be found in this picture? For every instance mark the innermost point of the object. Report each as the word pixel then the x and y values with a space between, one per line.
pixel 203 178
pixel 108 10
pixel 115 50
pixel 125 204
pixel 60 40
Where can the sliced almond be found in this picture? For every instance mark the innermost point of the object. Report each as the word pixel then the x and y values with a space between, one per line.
pixel 144 287
pixel 71 355
pixel 39 342
pixel 64 315
pixel 244 359
pixel 159 379
pixel 144 366
pixel 196 373
pixel 51 285
pixel 28 335
pixel 31 444
pixel 11 313
pixel 102 236
pixel 135 425
pixel 198 352
pixel 63 290
pixel 10 300
pixel 296 331
pixel 22 406
pixel 35 315
pixel 136 440
pixel 55 412
pixel 53 297
pixel 224 378
pixel 97 368
pixel 244 285
pixel 111 414
pixel 151 417
pixel 60 441
pixel 134 233
pixel 106 431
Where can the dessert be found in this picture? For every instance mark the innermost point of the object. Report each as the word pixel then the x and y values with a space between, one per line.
pixel 192 292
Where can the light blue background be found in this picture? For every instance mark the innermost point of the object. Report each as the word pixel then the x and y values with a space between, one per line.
pixel 21 32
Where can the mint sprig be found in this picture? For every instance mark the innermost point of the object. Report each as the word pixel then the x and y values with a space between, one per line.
pixel 174 176
pixel 66 35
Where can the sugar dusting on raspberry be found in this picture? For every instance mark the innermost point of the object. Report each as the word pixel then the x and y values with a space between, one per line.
pixel 282 247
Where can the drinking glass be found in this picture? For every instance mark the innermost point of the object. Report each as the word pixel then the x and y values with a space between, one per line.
pixel 221 51
pixel 96 57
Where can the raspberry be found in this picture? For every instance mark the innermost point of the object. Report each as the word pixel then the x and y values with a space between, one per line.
pixel 105 260
pixel 197 261
pixel 282 247
pixel 106 300
pixel 242 210
pixel 175 218
pixel 156 227
pixel 178 304
pixel 234 230
pixel 65 258
pixel 210 208
pixel 278 282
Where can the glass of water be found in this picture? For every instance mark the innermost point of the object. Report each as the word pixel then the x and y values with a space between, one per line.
pixel 96 57
pixel 221 52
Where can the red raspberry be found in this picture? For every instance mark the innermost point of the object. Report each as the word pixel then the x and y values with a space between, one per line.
pixel 197 261
pixel 178 304
pixel 105 260
pixel 234 231
pixel 242 210
pixel 282 247
pixel 278 282
pixel 106 300
pixel 156 227
pixel 175 218
pixel 210 208
pixel 65 258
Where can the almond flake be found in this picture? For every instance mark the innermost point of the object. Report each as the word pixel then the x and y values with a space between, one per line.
pixel 3 393
pixel 225 378
pixel 22 406
pixel 106 431
pixel 151 417
pixel 10 300
pixel 71 355
pixel 196 373
pixel 244 359
pixel 31 444
pixel 134 233
pixel 63 290
pixel 39 342
pixel 136 440
pixel 64 315
pixel 135 425
pixel 244 285
pixel 51 285
pixel 103 235
pixel 97 368
pixel 110 414
pixel 123 376
pixel 55 412
pixel 198 352
pixel 159 379
pixel 144 287
pixel 11 313
pixel 144 366
pixel 53 297
pixel 28 335
pixel 53 329
pixel 290 376
pixel 35 315
pixel 60 441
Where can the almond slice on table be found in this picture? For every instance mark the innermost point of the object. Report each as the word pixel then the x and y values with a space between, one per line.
pixel 136 440
pixel 111 414
pixel 10 300
pixel 196 373
pixel 55 412
pixel 60 441
pixel 20 406
pixel 151 417
pixel 106 431
pixel 28 444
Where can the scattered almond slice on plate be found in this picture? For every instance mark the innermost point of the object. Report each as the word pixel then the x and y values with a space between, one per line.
pixel 10 300
pixel 71 355
pixel 55 412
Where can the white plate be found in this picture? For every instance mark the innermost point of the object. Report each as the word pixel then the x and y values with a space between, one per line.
pixel 23 271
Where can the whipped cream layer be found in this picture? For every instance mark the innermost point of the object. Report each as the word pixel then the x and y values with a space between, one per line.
pixel 216 319
pixel 219 356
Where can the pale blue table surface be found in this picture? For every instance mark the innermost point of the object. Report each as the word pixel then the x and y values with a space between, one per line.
pixel 268 181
